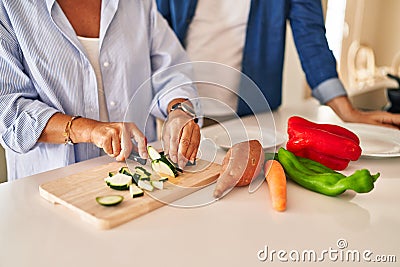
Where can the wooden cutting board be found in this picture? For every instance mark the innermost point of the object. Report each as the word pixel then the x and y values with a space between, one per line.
pixel 78 193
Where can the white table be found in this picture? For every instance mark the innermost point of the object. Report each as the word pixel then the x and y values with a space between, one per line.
pixel 230 232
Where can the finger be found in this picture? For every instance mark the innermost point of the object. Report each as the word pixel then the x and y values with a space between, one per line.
pixel 126 144
pixel 184 142
pixel 194 144
pixel 140 139
pixel 116 144
pixel 107 146
pixel 390 121
pixel 182 161
pixel 165 140
pixel 173 146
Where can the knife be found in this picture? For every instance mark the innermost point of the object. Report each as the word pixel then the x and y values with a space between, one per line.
pixel 136 157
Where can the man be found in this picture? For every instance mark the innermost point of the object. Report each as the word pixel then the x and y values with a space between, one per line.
pixel 249 35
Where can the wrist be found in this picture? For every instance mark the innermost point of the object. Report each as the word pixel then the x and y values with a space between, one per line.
pixel 81 130
pixel 343 108
pixel 67 131
pixel 184 108
pixel 174 102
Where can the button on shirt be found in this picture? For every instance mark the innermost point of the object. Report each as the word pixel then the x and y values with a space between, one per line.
pixel 44 69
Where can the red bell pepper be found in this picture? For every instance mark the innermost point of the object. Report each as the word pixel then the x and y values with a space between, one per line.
pixel 331 145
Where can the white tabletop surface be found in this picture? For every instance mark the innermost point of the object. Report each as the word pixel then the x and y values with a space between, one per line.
pixel 229 232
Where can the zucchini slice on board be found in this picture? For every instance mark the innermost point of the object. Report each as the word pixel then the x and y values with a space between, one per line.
pixel 157 184
pixel 135 191
pixel 110 200
pixel 142 171
pixel 161 164
pixel 111 174
pixel 146 185
pixel 140 174
pixel 163 169
pixel 119 181
pixel 153 153
pixel 163 179
pixel 125 170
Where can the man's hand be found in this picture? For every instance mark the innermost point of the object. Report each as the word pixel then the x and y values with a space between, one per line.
pixel 343 108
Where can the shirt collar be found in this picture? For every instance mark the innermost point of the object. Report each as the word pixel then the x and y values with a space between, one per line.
pixel 108 10
pixel 50 4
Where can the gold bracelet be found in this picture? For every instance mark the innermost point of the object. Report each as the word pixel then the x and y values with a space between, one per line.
pixel 67 130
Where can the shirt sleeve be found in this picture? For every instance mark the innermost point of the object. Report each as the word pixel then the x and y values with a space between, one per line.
pixel 328 90
pixel 317 60
pixel 171 71
pixel 22 115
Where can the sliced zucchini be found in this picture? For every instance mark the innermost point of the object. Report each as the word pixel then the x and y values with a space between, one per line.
pixel 137 177
pixel 146 185
pixel 141 174
pixel 163 179
pixel 163 169
pixel 125 170
pixel 142 171
pixel 143 177
pixel 111 174
pixel 119 181
pixel 157 184
pixel 173 165
pixel 135 191
pixel 111 200
pixel 153 153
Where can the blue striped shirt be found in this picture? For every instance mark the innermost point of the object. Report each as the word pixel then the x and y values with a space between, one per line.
pixel 44 70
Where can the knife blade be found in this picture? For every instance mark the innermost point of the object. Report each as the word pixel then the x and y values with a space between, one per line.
pixel 136 157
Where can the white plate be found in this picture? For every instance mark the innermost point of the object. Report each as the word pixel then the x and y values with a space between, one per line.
pixel 267 138
pixel 376 141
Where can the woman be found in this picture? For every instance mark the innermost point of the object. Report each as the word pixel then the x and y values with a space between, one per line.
pixel 70 70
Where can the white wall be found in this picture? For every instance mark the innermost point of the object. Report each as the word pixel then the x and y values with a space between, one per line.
pixel 381 29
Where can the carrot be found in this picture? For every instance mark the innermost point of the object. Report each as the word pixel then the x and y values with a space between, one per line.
pixel 276 179
pixel 241 164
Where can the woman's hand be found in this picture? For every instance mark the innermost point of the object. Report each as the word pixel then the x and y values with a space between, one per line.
pixel 115 139
pixel 181 137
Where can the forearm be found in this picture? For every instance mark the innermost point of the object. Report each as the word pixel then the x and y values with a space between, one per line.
pixel 115 138
pixel 342 107
pixel 80 130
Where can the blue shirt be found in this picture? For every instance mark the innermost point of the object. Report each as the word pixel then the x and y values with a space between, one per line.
pixel 264 48
pixel 44 70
